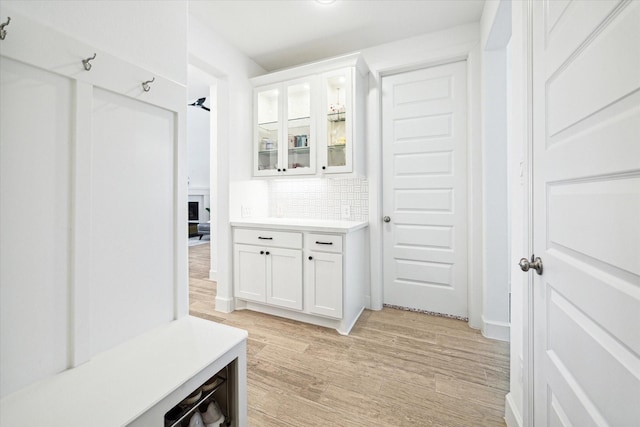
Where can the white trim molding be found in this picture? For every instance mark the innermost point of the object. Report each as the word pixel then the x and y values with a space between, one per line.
pixel 495 330
pixel 512 417
pixel 224 305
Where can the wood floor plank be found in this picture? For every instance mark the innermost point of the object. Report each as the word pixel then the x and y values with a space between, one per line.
pixel 470 391
pixel 397 368
pixel 442 408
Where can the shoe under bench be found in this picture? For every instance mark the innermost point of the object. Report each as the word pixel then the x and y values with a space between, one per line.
pixel 139 381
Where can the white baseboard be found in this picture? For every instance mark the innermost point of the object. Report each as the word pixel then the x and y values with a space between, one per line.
pixel 495 330
pixel 511 414
pixel 224 305
pixel 213 275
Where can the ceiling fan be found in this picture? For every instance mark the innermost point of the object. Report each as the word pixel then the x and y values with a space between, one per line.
pixel 200 103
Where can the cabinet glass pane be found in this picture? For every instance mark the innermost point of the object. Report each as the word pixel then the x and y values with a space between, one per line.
pixel 336 121
pixel 299 126
pixel 268 130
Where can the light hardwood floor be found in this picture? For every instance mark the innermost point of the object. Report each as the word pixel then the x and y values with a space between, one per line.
pixel 396 368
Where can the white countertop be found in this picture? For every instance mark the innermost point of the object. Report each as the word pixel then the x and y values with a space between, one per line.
pixel 117 386
pixel 321 225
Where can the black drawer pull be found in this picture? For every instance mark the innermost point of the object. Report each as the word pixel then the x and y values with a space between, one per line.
pixel 265 238
pixel 324 243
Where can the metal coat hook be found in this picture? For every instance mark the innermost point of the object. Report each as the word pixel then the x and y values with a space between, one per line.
pixel 145 85
pixel 3 32
pixel 87 63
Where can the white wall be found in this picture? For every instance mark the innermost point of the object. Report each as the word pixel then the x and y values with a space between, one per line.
pixel 132 34
pixel 233 153
pixel 504 42
pixel 151 34
pixel 518 209
pixel 198 131
pixel 495 34
pixel 428 49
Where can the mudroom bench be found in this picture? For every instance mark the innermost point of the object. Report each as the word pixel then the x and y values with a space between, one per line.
pixel 138 382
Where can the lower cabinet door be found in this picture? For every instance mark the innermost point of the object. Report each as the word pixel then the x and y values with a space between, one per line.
pixel 324 284
pixel 284 278
pixel 249 267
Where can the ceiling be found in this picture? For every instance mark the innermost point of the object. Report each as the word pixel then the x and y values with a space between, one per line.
pixel 282 33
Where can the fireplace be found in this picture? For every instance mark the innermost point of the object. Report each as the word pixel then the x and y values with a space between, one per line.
pixel 194 210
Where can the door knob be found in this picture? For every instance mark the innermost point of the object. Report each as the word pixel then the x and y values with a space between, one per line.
pixel 386 219
pixel 535 263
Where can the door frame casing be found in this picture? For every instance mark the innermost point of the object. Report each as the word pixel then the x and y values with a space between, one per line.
pixel 527 318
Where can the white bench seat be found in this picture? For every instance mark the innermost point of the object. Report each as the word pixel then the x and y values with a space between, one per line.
pixel 137 382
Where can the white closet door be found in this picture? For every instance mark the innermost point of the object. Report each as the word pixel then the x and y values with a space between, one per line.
pixel 425 189
pixel 35 129
pixel 586 159
pixel 131 218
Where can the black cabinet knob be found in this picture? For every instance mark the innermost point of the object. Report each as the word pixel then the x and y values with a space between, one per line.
pixel 261 252
pixel 324 167
pixel 267 253
pixel 284 170
pixel 279 170
pixel 310 258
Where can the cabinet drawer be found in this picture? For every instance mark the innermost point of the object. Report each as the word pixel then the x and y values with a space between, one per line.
pixel 324 242
pixel 281 239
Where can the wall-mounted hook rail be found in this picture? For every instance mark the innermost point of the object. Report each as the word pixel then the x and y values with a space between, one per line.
pixel 3 32
pixel 86 62
pixel 145 85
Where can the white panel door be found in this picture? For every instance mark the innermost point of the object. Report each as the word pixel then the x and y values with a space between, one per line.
pixel 132 269
pixel 36 109
pixel 586 142
pixel 284 277
pixel 425 191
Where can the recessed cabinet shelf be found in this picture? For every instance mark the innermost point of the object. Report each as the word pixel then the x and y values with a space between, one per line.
pixel 300 119
pixel 314 116
pixel 271 126
pixel 181 412
pixel 336 117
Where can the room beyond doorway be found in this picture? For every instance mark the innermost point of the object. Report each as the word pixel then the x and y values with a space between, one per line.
pixel 201 146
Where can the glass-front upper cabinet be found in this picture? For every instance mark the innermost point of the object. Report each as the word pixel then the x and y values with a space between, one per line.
pixel 336 148
pixel 311 119
pixel 285 133
pixel 268 131
pixel 300 128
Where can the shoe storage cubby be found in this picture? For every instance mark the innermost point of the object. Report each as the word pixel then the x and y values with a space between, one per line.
pixel 213 391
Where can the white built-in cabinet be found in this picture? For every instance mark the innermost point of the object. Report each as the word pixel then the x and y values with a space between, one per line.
pixel 285 131
pixel 268 267
pixel 311 119
pixel 304 273
pixel 324 274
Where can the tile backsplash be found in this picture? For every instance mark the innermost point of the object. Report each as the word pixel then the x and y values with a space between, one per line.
pixel 319 198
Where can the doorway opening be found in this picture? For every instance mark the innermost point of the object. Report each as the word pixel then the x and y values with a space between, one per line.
pixel 202 119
